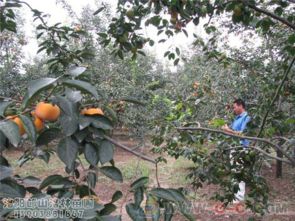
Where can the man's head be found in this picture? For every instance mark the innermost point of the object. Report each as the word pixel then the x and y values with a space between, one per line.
pixel 239 106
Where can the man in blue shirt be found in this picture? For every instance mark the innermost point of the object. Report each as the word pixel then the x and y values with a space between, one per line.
pixel 238 126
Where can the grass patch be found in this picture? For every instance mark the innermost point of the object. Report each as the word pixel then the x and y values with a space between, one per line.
pixel 35 167
pixel 133 169
pixel 175 171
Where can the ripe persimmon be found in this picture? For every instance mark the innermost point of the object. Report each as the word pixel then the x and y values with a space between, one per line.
pixel 39 124
pixel 47 111
pixel 92 111
pixel 19 123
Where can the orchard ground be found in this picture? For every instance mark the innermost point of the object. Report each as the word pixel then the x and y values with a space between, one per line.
pixel 172 174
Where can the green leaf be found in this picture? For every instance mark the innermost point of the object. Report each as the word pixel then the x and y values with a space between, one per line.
pixel 68 107
pixel 187 215
pixel 177 194
pixel 81 135
pixel 177 51
pixel 136 213
pixel 279 11
pixel 84 190
pixel 102 122
pixel 217 122
pixel 3 106
pixel 120 54
pixel 31 181
pixel 102 34
pixel 116 196
pixel 39 35
pixel 162 194
pixel 33 190
pixel 176 61
pixel 69 117
pixel 36 86
pixel 55 180
pixel 98 121
pixel 2 141
pixel 83 86
pixel 91 154
pixel 171 56
pixel 112 172
pixel 98 10
pixel 11 189
pixel 168 213
pixel 105 151
pixel 29 127
pixel 11 131
pixel 67 151
pixel 47 136
pixel 141 182
pixel 84 121
pixel 97 133
pixel 291 39
pixel 76 71
pixel 12 5
pixel 138 196
pixel 3 161
pixel 5 172
pixel 166 53
pixel 196 20
pixel 108 209
pixel 141 52
pixel 168 194
pixel 69 124
pixel 91 179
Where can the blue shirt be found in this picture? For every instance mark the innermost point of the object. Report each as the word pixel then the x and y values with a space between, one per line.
pixel 240 124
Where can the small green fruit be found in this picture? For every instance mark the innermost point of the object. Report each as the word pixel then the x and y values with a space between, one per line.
pixel 130 13
pixel 237 11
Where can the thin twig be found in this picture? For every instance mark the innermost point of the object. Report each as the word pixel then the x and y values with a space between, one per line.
pixel 157 177
pixel 129 150
pixel 127 194
pixel 261 151
pixel 269 155
pixel 11 99
pixel 280 138
pixel 274 16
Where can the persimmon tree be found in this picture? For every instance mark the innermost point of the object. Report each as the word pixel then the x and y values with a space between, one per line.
pixel 63 94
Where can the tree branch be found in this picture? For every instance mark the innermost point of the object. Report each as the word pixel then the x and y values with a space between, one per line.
pixel 275 97
pixel 241 137
pixel 274 16
pixel 293 1
pixel 270 156
pixel 129 150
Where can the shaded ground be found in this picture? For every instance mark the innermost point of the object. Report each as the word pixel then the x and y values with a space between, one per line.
pixel 173 174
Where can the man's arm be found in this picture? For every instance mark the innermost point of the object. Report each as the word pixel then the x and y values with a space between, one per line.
pixel 227 129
